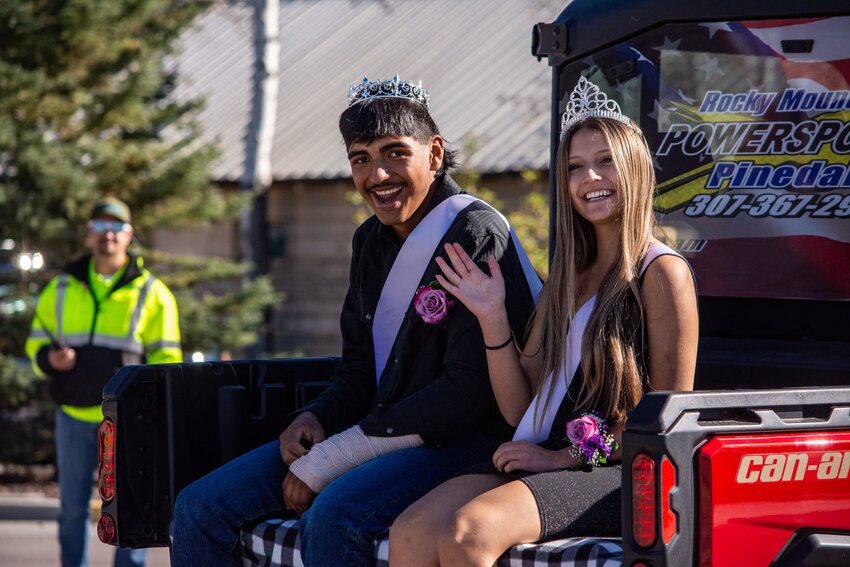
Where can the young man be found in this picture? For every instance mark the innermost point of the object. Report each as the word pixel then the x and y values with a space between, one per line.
pixel 410 403
pixel 104 311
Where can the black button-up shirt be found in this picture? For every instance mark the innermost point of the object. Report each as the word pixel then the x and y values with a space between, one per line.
pixel 436 382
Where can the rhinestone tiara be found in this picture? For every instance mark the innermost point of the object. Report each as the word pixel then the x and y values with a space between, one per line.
pixel 387 89
pixel 588 101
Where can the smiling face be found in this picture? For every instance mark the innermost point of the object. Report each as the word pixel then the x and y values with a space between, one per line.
pixel 593 179
pixel 395 176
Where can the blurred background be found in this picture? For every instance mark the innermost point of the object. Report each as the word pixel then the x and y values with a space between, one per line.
pixel 217 123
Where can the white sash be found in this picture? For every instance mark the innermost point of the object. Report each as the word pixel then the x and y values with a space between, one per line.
pixel 410 265
pixel 526 430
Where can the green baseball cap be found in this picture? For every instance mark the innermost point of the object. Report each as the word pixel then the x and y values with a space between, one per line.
pixel 112 207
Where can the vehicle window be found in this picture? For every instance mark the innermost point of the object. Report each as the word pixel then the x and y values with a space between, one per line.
pixel 749 123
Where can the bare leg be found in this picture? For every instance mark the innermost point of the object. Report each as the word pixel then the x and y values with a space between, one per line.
pixel 414 534
pixel 488 525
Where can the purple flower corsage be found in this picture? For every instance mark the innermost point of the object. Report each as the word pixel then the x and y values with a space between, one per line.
pixel 432 303
pixel 592 443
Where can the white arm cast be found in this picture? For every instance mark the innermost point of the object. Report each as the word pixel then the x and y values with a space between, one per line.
pixel 338 454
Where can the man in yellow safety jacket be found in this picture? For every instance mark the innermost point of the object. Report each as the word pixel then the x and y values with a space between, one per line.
pixel 102 312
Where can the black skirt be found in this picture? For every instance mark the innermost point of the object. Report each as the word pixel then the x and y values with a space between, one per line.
pixel 574 502
pixel 577 502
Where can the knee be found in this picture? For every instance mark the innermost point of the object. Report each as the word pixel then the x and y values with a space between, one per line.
pixel 464 539
pixel 405 526
pixel 406 538
pixel 321 517
pixel 340 505
pixel 192 502
pixel 74 514
pixel 183 508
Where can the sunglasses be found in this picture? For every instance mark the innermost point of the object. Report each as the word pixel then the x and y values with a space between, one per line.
pixel 103 226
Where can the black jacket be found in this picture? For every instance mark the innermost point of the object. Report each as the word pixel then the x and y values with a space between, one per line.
pixel 436 382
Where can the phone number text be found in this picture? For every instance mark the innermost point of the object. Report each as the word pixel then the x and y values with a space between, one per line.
pixel 769 205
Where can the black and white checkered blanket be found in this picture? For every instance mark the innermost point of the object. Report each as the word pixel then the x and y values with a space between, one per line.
pixel 276 542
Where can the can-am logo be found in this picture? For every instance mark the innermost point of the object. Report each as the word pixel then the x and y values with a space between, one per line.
pixel 793 466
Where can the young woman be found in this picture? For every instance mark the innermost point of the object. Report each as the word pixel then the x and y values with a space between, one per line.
pixel 618 317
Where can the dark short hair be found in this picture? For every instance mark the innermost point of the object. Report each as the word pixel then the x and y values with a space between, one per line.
pixel 368 120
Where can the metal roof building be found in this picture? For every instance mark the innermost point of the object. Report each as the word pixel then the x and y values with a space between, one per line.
pixel 487 91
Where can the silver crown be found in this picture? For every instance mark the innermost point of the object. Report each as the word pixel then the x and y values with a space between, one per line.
pixel 587 101
pixel 387 89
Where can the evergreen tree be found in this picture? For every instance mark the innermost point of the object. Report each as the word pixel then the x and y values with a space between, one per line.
pixel 87 110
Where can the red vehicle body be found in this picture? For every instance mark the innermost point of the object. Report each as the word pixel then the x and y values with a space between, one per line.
pixel 746 107
pixel 790 479
pixel 748 477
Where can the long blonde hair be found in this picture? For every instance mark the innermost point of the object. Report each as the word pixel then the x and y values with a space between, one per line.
pixel 613 381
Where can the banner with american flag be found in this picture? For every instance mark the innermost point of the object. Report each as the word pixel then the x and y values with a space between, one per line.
pixel 749 123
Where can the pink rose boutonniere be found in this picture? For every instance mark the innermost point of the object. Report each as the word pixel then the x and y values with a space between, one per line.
pixel 592 443
pixel 432 304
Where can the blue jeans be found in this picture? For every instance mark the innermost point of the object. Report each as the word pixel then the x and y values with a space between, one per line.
pixel 76 463
pixel 344 520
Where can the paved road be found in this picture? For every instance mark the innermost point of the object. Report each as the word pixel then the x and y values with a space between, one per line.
pixel 28 536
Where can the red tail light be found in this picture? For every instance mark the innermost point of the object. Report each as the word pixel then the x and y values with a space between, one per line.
pixel 106 469
pixel 106 529
pixel 643 500
pixel 668 517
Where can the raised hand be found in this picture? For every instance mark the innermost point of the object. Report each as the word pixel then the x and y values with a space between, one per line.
pixel 483 295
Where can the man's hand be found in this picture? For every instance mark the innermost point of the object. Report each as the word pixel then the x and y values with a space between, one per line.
pixel 304 430
pixel 296 495
pixel 62 359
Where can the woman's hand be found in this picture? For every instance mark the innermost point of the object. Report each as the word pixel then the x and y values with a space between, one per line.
pixel 483 295
pixel 526 456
